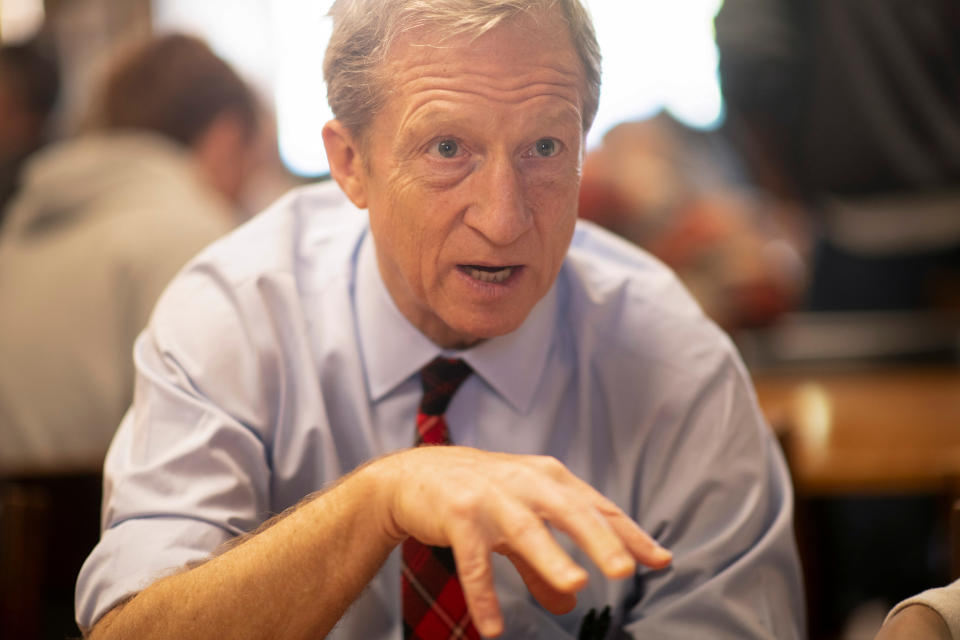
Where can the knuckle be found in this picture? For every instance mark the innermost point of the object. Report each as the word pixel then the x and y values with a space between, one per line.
pixel 482 600
pixel 551 465
pixel 574 511
pixel 522 529
pixel 485 602
pixel 465 504
pixel 474 569
pixel 565 505
pixel 608 507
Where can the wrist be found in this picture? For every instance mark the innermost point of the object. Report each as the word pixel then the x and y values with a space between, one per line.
pixel 380 481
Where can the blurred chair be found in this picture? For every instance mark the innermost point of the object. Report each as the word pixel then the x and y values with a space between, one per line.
pixel 48 525
pixel 24 513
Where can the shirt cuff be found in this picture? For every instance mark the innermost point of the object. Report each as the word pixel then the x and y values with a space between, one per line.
pixel 136 553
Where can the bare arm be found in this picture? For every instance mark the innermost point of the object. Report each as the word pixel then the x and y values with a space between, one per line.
pixel 916 622
pixel 297 578
pixel 292 580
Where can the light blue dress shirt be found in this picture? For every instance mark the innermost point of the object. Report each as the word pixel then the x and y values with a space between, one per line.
pixel 277 361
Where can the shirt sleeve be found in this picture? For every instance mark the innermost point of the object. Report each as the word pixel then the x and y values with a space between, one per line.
pixel 716 492
pixel 188 468
pixel 944 600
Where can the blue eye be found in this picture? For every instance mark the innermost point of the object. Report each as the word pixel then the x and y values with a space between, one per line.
pixel 447 148
pixel 546 147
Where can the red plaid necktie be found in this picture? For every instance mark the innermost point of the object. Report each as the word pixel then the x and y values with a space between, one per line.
pixel 433 604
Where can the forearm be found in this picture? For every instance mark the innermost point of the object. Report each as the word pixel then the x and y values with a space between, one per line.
pixel 294 579
pixel 297 578
pixel 915 621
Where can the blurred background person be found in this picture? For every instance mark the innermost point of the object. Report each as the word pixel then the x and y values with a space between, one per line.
pixel 29 85
pixel 851 111
pixel 100 225
pixel 680 193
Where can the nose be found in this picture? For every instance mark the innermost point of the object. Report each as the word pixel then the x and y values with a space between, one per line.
pixel 499 211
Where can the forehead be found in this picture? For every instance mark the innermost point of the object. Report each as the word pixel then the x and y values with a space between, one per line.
pixel 531 52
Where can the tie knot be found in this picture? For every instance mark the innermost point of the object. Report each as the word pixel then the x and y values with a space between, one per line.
pixel 441 378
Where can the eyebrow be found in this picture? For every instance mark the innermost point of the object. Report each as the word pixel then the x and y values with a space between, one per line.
pixel 436 118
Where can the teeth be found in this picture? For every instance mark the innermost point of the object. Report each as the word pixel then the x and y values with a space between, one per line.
pixel 490 276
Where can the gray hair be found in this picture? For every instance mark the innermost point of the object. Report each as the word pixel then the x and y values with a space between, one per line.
pixel 364 31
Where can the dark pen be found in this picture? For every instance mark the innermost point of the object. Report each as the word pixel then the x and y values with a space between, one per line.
pixel 594 627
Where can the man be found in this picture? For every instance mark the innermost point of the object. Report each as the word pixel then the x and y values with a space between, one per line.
pixel 100 225
pixel 286 360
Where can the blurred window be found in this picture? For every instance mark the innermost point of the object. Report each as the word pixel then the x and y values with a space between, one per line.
pixel 20 20
pixel 657 55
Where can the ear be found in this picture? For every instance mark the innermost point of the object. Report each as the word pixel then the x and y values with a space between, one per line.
pixel 346 165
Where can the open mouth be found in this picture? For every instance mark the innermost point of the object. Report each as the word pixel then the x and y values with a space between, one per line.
pixel 493 275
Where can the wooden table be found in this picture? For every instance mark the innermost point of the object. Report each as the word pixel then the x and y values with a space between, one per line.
pixel 878 430
pixel 849 433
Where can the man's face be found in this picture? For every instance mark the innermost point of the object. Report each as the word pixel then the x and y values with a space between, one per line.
pixel 471 172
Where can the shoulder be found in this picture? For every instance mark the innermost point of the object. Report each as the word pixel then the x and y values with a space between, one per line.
pixel 273 266
pixel 306 238
pixel 283 260
pixel 629 305
pixel 247 309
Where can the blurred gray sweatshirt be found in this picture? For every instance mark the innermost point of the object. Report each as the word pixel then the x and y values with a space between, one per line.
pixel 100 226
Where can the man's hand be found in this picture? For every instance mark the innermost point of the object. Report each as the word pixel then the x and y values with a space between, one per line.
pixel 476 502
pixel 916 622
pixel 479 502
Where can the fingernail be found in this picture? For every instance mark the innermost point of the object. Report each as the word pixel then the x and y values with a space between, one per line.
pixel 662 555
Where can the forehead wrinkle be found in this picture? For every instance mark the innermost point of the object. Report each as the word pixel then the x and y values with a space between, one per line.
pixel 425 89
pixel 444 71
pixel 436 108
pixel 513 98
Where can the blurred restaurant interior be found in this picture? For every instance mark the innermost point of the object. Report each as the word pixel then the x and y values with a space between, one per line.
pixel 796 163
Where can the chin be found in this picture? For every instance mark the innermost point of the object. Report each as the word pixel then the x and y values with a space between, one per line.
pixel 476 329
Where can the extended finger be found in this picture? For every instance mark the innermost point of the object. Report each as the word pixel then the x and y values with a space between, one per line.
pixel 524 534
pixel 554 601
pixel 475 571
pixel 591 532
pixel 567 502
pixel 637 541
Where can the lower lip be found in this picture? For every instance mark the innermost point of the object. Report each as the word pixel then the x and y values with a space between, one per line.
pixel 492 289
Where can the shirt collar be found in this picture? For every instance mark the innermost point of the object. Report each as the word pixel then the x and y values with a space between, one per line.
pixel 393 350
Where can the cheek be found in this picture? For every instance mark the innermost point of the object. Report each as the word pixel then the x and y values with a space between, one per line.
pixel 395 210
pixel 555 204
pixel 411 226
pixel 561 234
